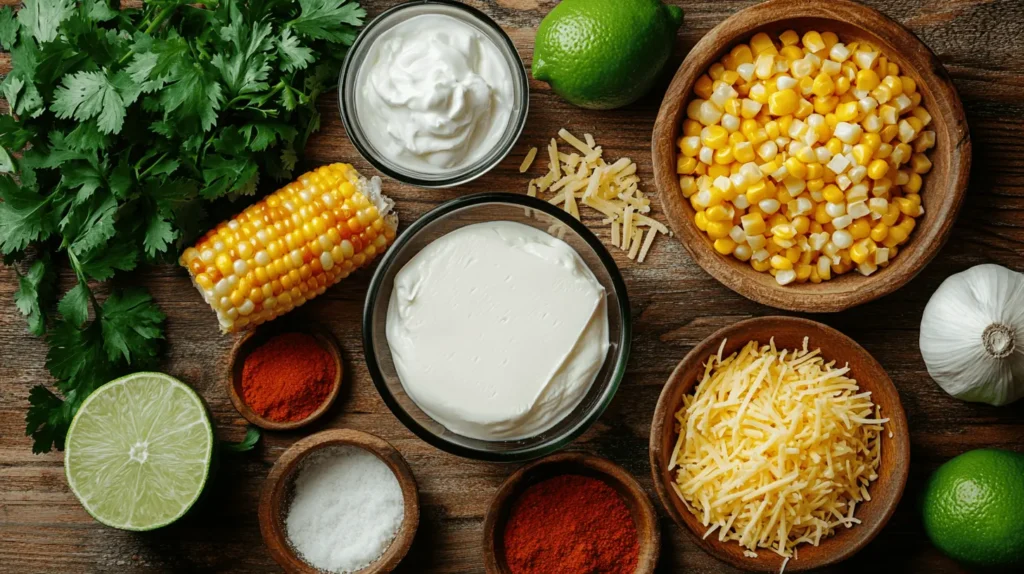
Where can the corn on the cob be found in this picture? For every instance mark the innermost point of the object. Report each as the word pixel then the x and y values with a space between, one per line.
pixel 291 246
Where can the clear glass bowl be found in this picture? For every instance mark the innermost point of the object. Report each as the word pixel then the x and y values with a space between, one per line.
pixel 357 55
pixel 459 213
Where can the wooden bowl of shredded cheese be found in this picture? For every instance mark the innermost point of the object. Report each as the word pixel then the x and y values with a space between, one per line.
pixel 780 444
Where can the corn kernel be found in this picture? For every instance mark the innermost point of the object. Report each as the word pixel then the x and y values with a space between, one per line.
pixel 813 41
pixel 847 112
pixel 780 262
pixel 714 137
pixel 823 86
pixel 702 87
pixel 701 220
pixel 877 169
pixel 913 185
pixel 783 102
pixel 761 42
pixel 795 168
pixel 867 80
pixel 719 229
pixel 725 245
pixel 920 163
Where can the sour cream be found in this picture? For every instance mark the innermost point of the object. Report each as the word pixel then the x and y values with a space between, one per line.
pixel 435 94
pixel 497 330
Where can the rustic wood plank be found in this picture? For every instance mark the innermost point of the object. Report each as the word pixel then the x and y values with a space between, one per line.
pixel 675 305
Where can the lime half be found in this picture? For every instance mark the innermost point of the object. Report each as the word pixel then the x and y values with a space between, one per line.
pixel 138 452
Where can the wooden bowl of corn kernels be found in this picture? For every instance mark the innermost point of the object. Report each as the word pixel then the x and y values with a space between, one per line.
pixel 835 108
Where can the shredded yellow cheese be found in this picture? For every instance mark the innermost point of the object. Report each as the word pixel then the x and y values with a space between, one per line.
pixel 776 448
pixel 583 178
pixel 528 160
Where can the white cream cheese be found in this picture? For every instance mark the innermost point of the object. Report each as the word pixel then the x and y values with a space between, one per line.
pixel 434 94
pixel 497 330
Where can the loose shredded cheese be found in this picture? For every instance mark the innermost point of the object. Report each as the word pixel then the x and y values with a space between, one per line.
pixel 776 448
pixel 583 178
pixel 528 160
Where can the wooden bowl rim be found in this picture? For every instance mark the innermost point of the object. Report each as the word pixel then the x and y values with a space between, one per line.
pixel 946 197
pixel 274 490
pixel 245 345
pixel 768 561
pixel 628 488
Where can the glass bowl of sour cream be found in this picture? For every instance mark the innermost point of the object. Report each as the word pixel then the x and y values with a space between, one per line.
pixel 433 93
pixel 497 327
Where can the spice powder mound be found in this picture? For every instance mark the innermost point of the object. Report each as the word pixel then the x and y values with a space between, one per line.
pixel 571 524
pixel 287 378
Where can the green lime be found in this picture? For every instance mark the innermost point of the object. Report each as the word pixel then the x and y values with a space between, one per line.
pixel 138 451
pixel 604 54
pixel 974 508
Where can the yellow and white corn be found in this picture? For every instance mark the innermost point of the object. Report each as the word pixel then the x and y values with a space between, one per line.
pixel 803 156
pixel 291 246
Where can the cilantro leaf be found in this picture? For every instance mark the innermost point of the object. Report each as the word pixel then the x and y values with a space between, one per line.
pixel 102 263
pixel 294 56
pixel 42 18
pixel 6 161
pixel 195 95
pixel 120 180
pixel 331 20
pixel 25 216
pixel 84 177
pixel 88 95
pixel 225 174
pixel 75 351
pixel 242 64
pixel 131 326
pixel 267 133
pixel 252 436
pixel 159 236
pixel 8 28
pixel 74 306
pixel 35 290
pixel 100 11
pixel 89 226
pixel 47 420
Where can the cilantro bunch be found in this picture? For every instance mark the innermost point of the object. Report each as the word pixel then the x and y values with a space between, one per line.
pixel 122 127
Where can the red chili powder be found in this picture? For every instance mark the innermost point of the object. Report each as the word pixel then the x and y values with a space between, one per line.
pixel 571 524
pixel 287 378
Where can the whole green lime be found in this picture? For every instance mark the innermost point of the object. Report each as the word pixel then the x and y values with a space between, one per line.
pixel 974 508
pixel 604 54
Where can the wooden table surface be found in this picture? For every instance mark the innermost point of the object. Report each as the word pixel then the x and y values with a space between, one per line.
pixel 675 305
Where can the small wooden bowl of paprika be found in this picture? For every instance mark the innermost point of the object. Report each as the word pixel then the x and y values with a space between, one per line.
pixel 526 511
pixel 285 375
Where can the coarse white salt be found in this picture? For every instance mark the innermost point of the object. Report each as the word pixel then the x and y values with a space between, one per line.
pixel 346 509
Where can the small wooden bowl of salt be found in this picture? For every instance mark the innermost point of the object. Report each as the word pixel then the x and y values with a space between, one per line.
pixel 339 501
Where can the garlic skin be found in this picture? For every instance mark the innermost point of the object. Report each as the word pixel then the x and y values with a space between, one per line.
pixel 972 335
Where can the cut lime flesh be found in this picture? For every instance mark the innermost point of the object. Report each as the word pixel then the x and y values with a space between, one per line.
pixel 138 451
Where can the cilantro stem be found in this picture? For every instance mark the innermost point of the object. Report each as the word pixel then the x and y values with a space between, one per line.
pixel 157 20
pixel 263 99
pixel 150 168
pixel 77 267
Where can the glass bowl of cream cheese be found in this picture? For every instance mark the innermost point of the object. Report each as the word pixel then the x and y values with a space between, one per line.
pixel 497 327
pixel 433 93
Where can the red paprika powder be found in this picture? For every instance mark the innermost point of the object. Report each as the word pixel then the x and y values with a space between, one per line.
pixel 288 377
pixel 571 524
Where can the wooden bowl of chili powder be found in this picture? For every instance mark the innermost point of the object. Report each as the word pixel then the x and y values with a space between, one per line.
pixel 283 376
pixel 571 513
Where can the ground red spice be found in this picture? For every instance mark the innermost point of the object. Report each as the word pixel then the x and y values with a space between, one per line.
pixel 287 378
pixel 571 524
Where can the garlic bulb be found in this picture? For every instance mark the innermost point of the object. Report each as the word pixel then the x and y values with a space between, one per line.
pixel 972 335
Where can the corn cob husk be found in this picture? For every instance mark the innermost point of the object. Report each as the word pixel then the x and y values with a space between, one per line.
pixel 291 246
